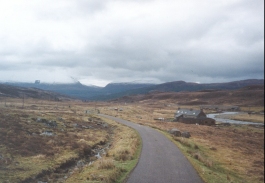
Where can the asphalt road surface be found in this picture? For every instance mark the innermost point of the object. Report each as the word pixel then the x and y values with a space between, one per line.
pixel 160 161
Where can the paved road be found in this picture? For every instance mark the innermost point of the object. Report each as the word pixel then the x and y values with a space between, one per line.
pixel 160 161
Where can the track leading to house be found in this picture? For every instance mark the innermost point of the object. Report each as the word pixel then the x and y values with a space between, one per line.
pixel 160 161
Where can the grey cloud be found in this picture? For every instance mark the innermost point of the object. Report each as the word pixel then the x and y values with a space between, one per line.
pixel 65 10
pixel 97 39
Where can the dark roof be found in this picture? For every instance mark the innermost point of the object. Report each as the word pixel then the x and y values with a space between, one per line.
pixel 189 112
pixel 178 115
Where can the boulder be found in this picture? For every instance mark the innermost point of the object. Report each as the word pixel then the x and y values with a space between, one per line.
pixel 47 133
pixel 175 132
pixel 185 134
pixel 105 125
pixel 80 164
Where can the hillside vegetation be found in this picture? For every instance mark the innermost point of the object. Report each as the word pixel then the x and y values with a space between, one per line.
pixel 59 142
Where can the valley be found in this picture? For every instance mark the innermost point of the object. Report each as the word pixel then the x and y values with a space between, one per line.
pixel 50 137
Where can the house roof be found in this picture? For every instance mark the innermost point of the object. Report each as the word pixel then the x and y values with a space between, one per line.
pixel 188 112
pixel 178 115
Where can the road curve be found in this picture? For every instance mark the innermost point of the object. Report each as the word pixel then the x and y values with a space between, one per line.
pixel 160 161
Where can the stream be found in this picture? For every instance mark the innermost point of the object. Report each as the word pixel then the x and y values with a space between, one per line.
pixel 224 120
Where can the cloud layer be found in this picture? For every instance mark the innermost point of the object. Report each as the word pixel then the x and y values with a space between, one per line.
pixel 100 41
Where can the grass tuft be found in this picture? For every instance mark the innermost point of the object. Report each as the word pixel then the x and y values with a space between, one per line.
pixel 104 163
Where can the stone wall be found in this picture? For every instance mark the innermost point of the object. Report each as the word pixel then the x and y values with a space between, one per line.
pixel 200 121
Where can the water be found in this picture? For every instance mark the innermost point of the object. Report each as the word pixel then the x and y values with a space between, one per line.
pixel 223 120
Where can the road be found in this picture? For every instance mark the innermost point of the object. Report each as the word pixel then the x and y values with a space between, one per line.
pixel 160 161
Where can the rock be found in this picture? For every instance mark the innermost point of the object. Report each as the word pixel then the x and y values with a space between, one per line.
pixel 91 127
pixel 98 156
pixel 47 133
pixel 186 134
pixel 52 124
pixel 175 132
pixel 80 164
pixel 105 125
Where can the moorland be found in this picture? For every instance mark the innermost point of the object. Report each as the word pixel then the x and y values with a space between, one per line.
pixel 57 139
pixel 220 153
pixel 51 141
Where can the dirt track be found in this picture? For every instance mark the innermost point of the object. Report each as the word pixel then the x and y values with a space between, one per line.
pixel 160 161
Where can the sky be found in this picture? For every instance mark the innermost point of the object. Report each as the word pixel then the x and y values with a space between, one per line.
pixel 98 42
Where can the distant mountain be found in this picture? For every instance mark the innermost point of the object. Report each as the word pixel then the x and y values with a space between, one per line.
pixel 117 90
pixel 121 87
pixel 178 86
pixel 252 95
pixel 20 92
pixel 84 92
pixel 188 86
pixel 76 90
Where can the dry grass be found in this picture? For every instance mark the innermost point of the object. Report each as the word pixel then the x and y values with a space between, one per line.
pixel 27 153
pixel 183 141
pixel 194 150
pixel 220 154
pixel 126 146
pixel 118 161
pixel 252 109
pixel 248 117
pixel 105 163
pixel 207 162
pixel 235 151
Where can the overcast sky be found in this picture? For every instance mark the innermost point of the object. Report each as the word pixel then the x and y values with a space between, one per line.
pixel 103 41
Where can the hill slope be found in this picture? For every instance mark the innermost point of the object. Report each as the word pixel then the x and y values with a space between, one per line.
pixel 117 90
pixel 20 92
pixel 178 86
pixel 247 96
